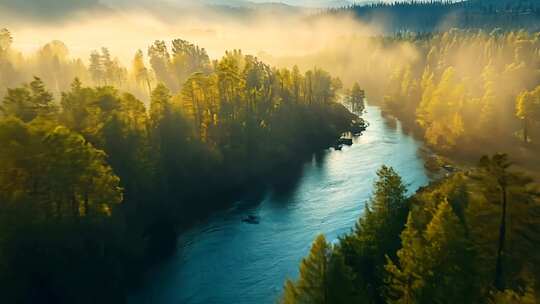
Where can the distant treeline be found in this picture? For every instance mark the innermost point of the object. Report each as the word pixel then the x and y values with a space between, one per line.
pixel 94 183
pixel 427 16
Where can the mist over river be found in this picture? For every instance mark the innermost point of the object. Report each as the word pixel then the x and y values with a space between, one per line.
pixel 224 260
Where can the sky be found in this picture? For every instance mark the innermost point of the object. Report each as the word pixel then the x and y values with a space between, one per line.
pixel 61 6
pixel 127 25
pixel 124 26
pixel 307 3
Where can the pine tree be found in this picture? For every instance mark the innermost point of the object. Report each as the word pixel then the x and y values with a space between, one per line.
pixel 449 258
pixel 496 174
pixel 160 104
pixel 30 101
pixel 377 233
pixel 96 68
pixel 5 40
pixel 61 175
pixel 405 280
pixel 324 278
pixel 142 75
pixel 312 285
pixel 160 60
pixel 528 110
pixel 434 266
pixel 356 98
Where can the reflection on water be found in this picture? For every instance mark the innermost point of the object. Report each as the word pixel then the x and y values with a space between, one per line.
pixel 224 260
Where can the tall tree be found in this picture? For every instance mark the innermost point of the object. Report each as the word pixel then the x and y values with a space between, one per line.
pixel 496 168
pixel 188 59
pixel 324 278
pixel 496 172
pixel 29 101
pixel 5 40
pixel 435 266
pixel 96 69
pixel 141 73
pixel 405 281
pixel 377 232
pixel 160 60
pixel 356 98
pixel 62 172
pixel 528 110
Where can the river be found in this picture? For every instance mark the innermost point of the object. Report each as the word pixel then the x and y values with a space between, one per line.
pixel 223 260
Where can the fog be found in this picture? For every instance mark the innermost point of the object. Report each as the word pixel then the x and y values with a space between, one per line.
pixel 279 34
pixel 123 32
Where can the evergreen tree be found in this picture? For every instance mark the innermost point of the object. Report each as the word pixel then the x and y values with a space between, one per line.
pixel 435 266
pixel 496 174
pixel 187 59
pixel 405 280
pixel 30 101
pixel 449 256
pixel 96 69
pixel 356 98
pixel 324 278
pixel 312 285
pixel 5 40
pixel 141 73
pixel 528 110
pixel 377 233
pixel 160 60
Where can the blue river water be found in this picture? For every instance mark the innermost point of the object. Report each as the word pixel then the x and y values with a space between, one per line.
pixel 224 260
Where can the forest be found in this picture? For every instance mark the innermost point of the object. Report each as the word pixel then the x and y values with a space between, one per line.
pixel 91 174
pixel 106 161
pixel 444 244
pixel 430 16
pixel 466 92
pixel 464 109
pixel 471 236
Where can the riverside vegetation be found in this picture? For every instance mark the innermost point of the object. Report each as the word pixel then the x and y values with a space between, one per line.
pixel 95 183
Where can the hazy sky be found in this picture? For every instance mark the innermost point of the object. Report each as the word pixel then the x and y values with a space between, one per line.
pixel 130 26
pixel 310 3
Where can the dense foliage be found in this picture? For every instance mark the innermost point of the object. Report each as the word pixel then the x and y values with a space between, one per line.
pixel 94 183
pixel 472 93
pixel 442 245
pixel 468 238
pixel 429 16
pixel 466 92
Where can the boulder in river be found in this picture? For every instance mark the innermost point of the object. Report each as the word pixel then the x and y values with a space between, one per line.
pixel 358 126
pixel 345 141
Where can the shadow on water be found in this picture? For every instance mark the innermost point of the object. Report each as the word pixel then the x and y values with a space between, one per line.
pixel 225 260
pixel 319 158
pixel 252 197
pixel 291 176
pixel 280 185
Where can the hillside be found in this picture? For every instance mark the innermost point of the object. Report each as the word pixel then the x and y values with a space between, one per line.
pixel 438 16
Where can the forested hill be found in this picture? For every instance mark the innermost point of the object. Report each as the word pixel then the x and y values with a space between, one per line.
pixel 94 184
pixel 419 16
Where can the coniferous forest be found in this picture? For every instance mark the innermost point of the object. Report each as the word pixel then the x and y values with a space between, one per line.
pixel 111 165
pixel 91 178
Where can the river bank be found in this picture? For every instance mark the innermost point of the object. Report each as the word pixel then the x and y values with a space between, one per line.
pixel 468 152
pixel 223 260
